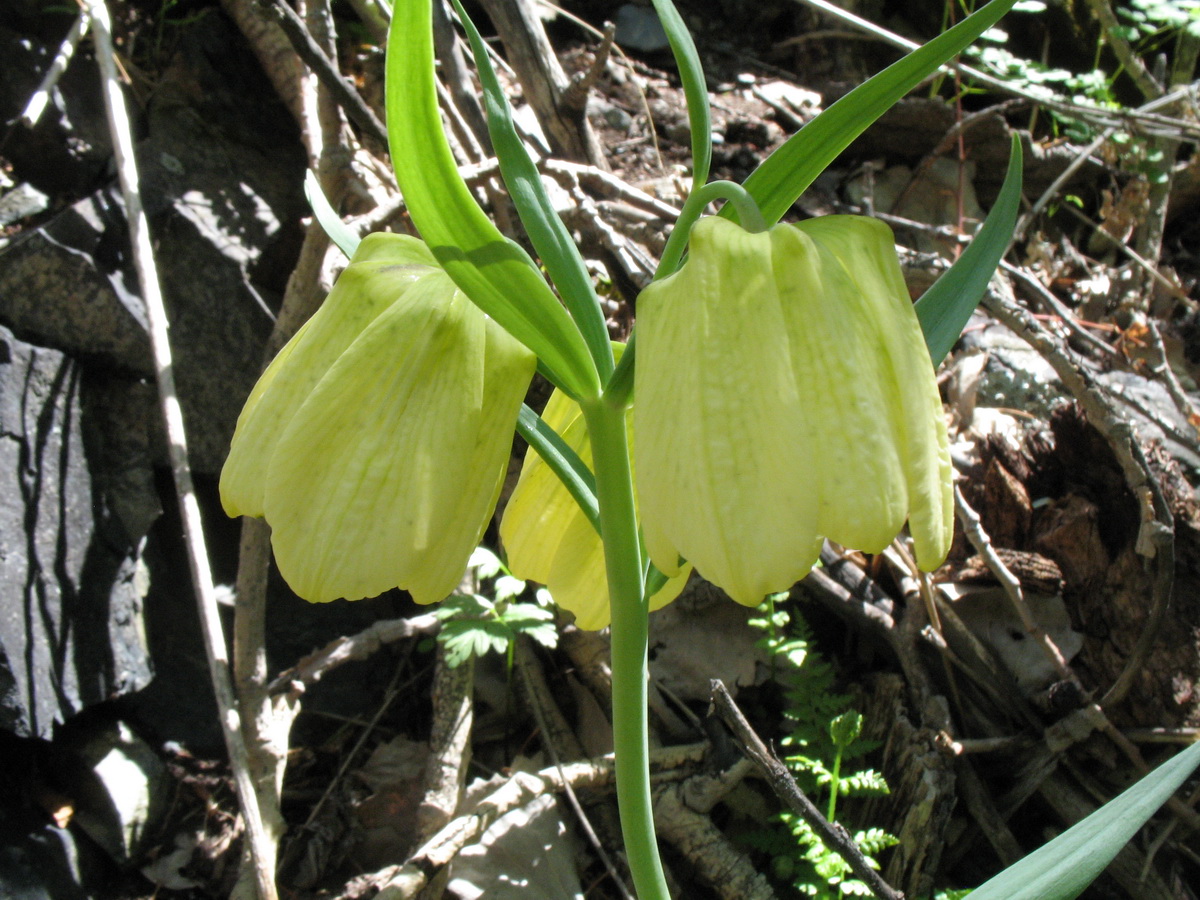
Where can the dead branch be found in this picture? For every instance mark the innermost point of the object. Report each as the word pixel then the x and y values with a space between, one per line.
pixel 261 846
pixel 831 833
pixel 405 881
pixel 310 51
pixel 339 651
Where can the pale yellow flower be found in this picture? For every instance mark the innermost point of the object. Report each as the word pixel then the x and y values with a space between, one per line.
pixel 548 538
pixel 376 442
pixel 784 395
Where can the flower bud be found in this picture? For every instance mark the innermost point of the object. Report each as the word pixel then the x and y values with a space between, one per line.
pixel 376 442
pixel 784 395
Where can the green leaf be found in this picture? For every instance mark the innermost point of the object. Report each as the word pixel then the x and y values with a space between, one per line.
pixel 493 271
pixel 464 606
pixel 507 587
pixel 944 309
pixel 533 621
pixel 785 174
pixel 844 729
pixel 464 638
pixel 695 88
pixel 331 223
pixel 485 563
pixel 1062 868
pixel 554 244
pixel 565 462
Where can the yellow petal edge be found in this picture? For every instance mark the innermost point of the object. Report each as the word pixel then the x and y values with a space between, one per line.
pixel 376 442
pixel 784 395
pixel 549 540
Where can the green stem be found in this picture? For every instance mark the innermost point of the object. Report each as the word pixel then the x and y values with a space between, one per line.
pixel 622 555
pixel 835 784
pixel 747 209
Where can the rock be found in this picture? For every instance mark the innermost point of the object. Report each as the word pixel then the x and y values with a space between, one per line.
pixel 20 202
pixel 224 198
pixel 121 792
pixel 68 285
pixel 638 28
pixel 70 573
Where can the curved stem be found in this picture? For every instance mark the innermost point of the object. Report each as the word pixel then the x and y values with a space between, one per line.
pixel 747 209
pixel 623 561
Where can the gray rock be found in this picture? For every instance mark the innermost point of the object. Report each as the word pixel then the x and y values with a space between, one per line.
pixel 70 594
pixel 67 285
pixel 121 792
pixel 224 198
pixel 21 202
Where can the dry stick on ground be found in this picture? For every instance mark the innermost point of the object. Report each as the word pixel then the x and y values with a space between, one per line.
pixel 557 735
pixel 310 51
pixel 407 880
pixel 449 744
pixel 1161 366
pixel 543 80
pixel 273 51
pixel 681 814
pixel 214 638
pixel 268 717
pixel 1057 308
pixel 339 651
pixel 834 836
pixel 1114 33
pixel 972 526
pixel 1171 288
pixel 41 97
pixel 457 74
pixel 449 755
pixel 1156 534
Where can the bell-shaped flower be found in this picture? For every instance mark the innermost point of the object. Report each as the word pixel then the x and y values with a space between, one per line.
pixel 376 442
pixel 784 394
pixel 548 538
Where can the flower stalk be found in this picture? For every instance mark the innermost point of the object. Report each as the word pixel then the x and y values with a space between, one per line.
pixel 629 631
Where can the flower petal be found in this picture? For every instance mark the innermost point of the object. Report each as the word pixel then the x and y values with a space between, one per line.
pixel 713 448
pixel 388 472
pixel 866 250
pixel 784 394
pixel 384 266
pixel 549 540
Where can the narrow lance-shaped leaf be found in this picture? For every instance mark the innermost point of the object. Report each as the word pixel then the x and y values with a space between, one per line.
pixel 558 251
pixel 786 174
pixel 331 223
pixel 695 89
pixel 944 309
pixel 1062 868
pixel 491 270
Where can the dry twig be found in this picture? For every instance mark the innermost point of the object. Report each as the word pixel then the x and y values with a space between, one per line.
pixel 1156 534
pixel 261 848
pixel 310 51
pixel 831 833
pixel 407 880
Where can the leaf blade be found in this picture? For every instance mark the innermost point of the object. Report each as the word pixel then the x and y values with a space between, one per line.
pixel 783 176
pixel 944 309
pixel 496 274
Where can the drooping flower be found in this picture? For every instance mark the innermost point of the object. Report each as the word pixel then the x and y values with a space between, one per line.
pixel 376 442
pixel 551 541
pixel 784 394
